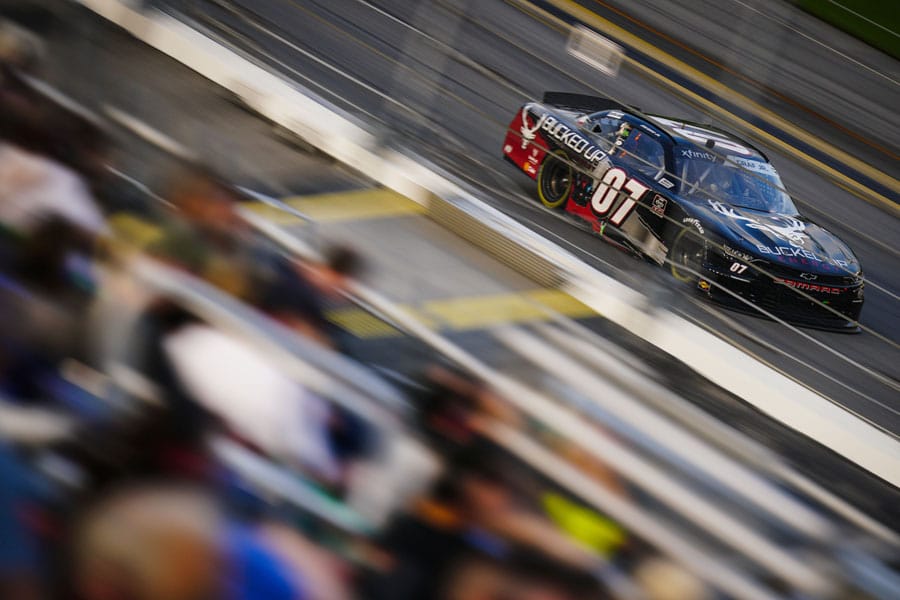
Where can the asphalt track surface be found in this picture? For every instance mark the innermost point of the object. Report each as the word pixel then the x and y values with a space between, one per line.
pixel 444 80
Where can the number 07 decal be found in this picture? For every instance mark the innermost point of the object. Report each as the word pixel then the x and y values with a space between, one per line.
pixel 604 198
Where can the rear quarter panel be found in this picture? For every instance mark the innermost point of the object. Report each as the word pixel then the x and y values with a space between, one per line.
pixel 525 146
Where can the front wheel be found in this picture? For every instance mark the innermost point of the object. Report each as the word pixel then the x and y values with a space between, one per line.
pixel 554 181
pixel 687 255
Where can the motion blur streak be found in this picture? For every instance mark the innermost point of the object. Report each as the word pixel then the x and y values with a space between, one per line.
pixel 275 323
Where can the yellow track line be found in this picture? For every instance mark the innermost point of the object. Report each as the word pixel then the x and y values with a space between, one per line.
pixel 468 313
pixel 352 205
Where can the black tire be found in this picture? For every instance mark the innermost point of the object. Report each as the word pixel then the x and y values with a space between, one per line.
pixel 554 181
pixel 687 254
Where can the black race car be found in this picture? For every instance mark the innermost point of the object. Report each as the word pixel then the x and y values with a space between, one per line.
pixel 694 197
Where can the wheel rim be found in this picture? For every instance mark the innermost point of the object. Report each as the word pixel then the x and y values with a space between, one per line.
pixel 555 182
pixel 688 255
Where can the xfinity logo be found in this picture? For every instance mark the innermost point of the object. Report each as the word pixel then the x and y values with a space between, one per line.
pixel 688 153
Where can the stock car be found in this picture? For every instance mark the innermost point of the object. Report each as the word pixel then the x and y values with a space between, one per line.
pixel 692 196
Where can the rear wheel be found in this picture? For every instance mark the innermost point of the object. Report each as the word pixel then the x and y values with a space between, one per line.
pixel 554 181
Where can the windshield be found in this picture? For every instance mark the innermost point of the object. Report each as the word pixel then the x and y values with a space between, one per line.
pixel 744 182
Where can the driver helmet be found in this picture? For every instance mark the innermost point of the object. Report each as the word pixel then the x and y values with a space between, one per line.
pixel 623 132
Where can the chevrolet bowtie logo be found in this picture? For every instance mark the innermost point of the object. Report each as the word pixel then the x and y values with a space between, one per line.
pixel 809 276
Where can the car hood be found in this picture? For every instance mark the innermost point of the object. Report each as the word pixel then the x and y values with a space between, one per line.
pixel 787 240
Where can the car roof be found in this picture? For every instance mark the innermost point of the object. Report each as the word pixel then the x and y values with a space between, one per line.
pixel 685 133
pixel 689 133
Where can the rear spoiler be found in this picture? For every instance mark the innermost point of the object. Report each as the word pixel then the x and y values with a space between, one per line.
pixel 582 102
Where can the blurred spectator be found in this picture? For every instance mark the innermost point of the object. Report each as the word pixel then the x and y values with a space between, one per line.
pixel 453 408
pixel 205 236
pixel 261 404
pixel 19 49
pixel 43 299
pixel 34 187
pixel 169 542
pixel 208 238
pixel 470 531
pixel 581 523
pixel 300 291
pixel 425 547
pixel 403 468
pixel 492 498
pixel 167 432
pixel 20 55
pixel 51 158
pixel 584 525
pixel 662 579
pixel 20 566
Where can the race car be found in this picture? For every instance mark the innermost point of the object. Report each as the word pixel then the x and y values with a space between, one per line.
pixel 691 196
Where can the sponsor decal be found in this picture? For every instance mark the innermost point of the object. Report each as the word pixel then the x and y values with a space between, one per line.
pixel 607 192
pixel 572 139
pixel 757 166
pixel 696 223
pixel 528 132
pixel 666 183
pixel 529 168
pixel 704 285
pixel 729 251
pixel 738 267
pixel 809 276
pixel 803 256
pixel 791 232
pixel 702 136
pixel 810 287
pixel 697 154
pixel 563 134
pixel 658 205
